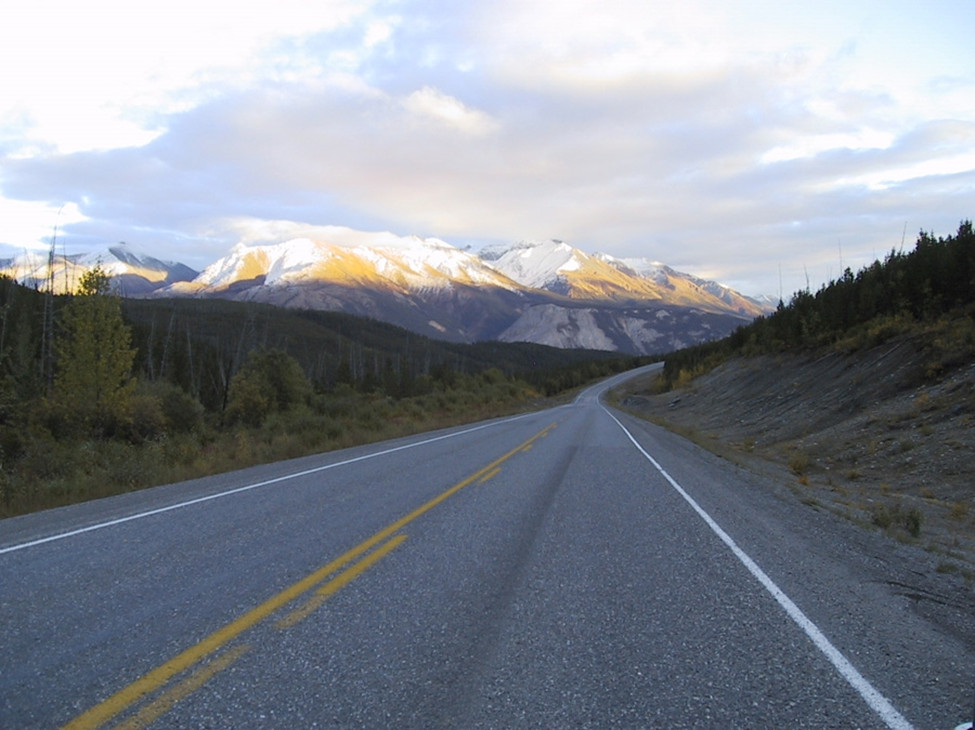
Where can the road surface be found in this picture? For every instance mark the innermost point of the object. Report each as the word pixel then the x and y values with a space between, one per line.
pixel 568 568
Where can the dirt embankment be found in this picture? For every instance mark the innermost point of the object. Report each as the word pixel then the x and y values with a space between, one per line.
pixel 871 436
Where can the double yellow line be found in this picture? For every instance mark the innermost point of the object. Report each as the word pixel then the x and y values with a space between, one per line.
pixel 158 678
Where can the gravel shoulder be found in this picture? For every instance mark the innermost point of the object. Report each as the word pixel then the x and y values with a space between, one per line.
pixel 876 438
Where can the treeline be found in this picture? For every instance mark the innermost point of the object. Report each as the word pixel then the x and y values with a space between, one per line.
pixel 200 344
pixel 100 394
pixel 933 282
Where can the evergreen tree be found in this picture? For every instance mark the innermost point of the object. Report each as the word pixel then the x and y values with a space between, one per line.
pixel 93 381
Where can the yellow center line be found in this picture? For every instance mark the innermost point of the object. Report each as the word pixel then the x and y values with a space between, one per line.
pixel 338 583
pixel 161 675
pixel 489 476
pixel 164 703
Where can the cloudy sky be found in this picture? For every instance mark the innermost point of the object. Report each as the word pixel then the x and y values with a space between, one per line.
pixel 762 144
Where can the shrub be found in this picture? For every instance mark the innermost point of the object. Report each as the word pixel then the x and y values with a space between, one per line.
pixel 183 412
pixel 247 401
pixel 912 520
pixel 799 463
pixel 959 510
pixel 144 418
pixel 286 382
pixel 270 380
pixel 886 517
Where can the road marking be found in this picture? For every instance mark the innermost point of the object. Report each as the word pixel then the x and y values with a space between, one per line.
pixel 338 583
pixel 256 485
pixel 162 675
pixel 159 677
pixel 489 476
pixel 877 702
pixel 164 703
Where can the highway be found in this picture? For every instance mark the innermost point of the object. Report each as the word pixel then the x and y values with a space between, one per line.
pixel 574 567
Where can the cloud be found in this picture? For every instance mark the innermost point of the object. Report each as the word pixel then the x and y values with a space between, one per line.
pixel 433 104
pixel 729 143
pixel 106 73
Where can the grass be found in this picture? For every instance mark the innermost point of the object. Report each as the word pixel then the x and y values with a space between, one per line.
pixel 799 462
pixel 959 511
pixel 54 472
pixel 891 517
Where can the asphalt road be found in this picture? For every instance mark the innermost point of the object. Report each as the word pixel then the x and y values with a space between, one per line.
pixel 569 568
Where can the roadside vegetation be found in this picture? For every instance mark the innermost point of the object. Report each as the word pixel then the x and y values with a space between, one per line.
pixel 861 396
pixel 101 395
pixel 928 291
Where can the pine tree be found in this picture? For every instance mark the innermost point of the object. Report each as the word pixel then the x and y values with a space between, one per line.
pixel 93 382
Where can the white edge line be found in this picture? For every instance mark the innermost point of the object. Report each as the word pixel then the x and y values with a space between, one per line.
pixel 248 487
pixel 880 704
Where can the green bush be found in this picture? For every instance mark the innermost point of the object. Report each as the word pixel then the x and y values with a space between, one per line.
pixel 183 412
pixel 247 401
pixel 270 380
pixel 144 419
pixel 887 517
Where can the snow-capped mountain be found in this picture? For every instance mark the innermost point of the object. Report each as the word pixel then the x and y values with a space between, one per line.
pixel 133 272
pixel 546 292
pixel 405 264
pixel 692 288
pixel 630 305
pixel 423 284
pixel 558 267
pixel 537 265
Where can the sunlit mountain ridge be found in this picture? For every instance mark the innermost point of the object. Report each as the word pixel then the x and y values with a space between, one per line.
pixel 547 292
pixel 133 273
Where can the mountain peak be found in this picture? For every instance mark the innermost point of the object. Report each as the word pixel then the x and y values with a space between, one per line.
pixel 540 290
pixel 381 260
pixel 134 272
pixel 538 264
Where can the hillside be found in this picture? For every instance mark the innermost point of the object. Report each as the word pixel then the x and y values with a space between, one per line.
pixel 199 343
pixel 859 398
pixel 869 435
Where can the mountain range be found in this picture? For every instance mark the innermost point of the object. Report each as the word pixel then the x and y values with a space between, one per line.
pixel 547 292
pixel 135 274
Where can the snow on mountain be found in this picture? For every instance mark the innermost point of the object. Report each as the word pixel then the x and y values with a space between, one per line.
pixel 560 268
pixel 538 265
pixel 133 272
pixel 557 267
pixel 425 258
pixel 643 267
pixel 538 291
pixel 398 264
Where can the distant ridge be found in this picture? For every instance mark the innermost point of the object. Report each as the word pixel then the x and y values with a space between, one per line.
pixel 134 273
pixel 546 292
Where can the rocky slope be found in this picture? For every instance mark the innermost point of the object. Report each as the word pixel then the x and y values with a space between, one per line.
pixel 882 436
